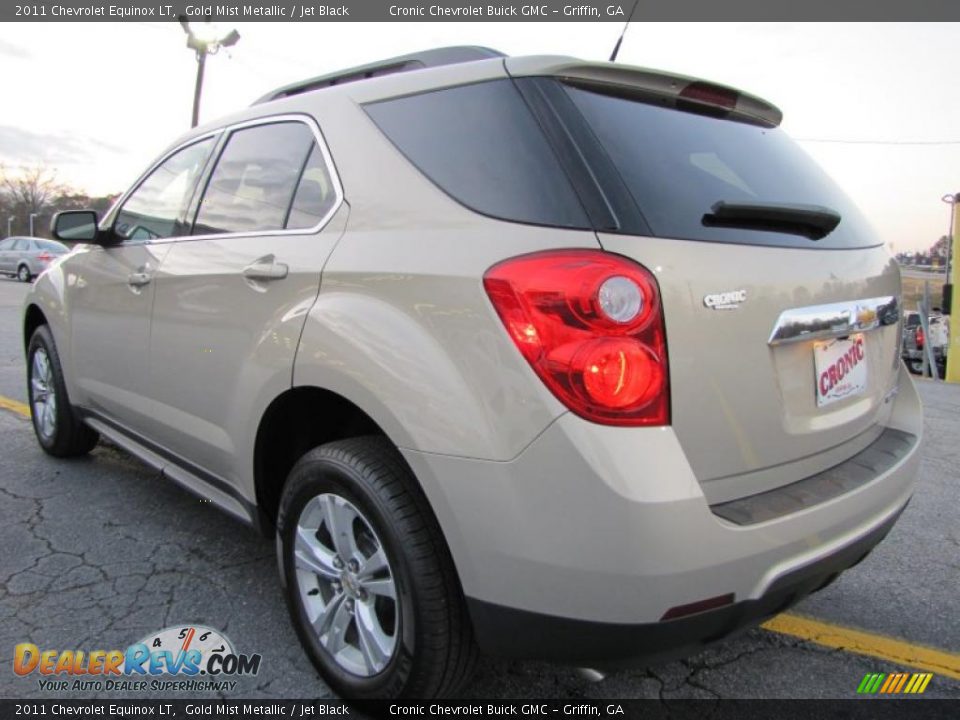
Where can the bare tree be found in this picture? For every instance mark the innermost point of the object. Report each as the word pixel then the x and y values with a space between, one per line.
pixel 31 191
pixel 36 190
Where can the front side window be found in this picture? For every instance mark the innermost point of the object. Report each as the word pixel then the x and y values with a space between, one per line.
pixel 253 186
pixel 158 207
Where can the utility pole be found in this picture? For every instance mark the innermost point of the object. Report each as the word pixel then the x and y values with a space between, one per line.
pixel 953 352
pixel 203 44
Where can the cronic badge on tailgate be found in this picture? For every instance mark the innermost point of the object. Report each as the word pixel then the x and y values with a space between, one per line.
pixel 729 300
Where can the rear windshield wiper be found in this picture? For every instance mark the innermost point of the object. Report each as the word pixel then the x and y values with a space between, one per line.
pixel 811 221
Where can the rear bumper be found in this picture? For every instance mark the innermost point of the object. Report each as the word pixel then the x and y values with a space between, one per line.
pixel 604 530
pixel 508 632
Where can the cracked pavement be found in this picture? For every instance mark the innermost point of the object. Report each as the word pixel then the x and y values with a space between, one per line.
pixel 99 552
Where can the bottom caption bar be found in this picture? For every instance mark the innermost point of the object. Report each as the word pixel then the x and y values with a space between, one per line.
pixel 872 708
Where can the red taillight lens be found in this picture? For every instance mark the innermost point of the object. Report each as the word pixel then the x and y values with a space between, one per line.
pixel 590 325
pixel 45 256
pixel 919 338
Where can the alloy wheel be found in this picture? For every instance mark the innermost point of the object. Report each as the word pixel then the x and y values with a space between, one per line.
pixel 43 394
pixel 346 585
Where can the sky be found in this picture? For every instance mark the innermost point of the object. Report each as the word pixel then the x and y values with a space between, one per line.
pixel 877 105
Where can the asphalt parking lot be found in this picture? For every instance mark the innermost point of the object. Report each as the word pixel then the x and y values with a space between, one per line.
pixel 97 553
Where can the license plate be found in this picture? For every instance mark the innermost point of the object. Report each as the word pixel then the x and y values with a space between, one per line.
pixel 841 369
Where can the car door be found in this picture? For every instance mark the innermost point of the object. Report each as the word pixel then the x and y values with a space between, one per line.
pixel 232 298
pixel 110 289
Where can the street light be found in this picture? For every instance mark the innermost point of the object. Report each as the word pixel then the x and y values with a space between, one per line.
pixel 204 41
pixel 951 200
pixel 32 216
pixel 10 225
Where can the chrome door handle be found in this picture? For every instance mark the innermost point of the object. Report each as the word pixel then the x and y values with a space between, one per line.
pixel 266 269
pixel 139 279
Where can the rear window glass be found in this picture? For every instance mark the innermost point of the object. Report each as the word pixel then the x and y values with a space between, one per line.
pixel 481 145
pixel 677 165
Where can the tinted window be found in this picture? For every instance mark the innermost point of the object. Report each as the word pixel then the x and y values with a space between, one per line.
pixel 315 194
pixel 677 165
pixel 252 186
pixel 158 207
pixel 480 144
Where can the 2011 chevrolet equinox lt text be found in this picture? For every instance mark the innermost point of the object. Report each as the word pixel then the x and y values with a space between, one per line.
pixel 525 355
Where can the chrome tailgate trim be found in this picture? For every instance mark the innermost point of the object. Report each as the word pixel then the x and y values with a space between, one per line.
pixel 834 320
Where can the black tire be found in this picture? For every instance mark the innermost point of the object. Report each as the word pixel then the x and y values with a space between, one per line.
pixel 23 274
pixel 70 436
pixel 434 649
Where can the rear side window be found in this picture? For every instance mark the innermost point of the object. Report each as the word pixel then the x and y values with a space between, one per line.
pixel 481 145
pixel 253 187
pixel 52 246
pixel 677 165
pixel 315 195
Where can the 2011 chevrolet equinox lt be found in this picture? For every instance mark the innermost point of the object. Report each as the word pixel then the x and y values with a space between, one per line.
pixel 535 356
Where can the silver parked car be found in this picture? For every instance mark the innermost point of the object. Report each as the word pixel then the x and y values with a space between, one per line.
pixel 542 357
pixel 26 257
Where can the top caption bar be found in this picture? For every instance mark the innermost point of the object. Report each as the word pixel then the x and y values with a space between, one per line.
pixel 544 11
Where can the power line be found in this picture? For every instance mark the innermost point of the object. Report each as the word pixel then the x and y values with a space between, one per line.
pixel 879 142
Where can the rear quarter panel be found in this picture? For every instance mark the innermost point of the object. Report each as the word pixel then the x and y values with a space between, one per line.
pixel 402 326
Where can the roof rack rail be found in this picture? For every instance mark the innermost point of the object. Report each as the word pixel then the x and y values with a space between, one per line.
pixel 403 63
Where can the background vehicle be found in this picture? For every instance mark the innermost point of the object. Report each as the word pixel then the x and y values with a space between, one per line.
pixel 495 368
pixel 26 257
pixel 914 341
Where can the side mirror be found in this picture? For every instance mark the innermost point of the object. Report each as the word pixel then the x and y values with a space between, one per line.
pixel 75 226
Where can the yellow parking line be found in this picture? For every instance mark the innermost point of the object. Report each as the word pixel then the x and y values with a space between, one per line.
pixel 13 406
pixel 899 652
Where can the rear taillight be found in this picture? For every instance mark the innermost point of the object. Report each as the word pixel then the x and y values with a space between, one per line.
pixel 590 325
pixel 918 336
pixel 45 256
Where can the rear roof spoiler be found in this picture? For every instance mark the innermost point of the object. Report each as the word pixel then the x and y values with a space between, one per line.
pixel 677 90
pixel 403 63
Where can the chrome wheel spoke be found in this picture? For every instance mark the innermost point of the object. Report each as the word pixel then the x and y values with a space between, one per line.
pixel 332 623
pixel 383 587
pixel 48 418
pixel 339 517
pixel 375 645
pixel 373 565
pixel 312 556
pixel 39 390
